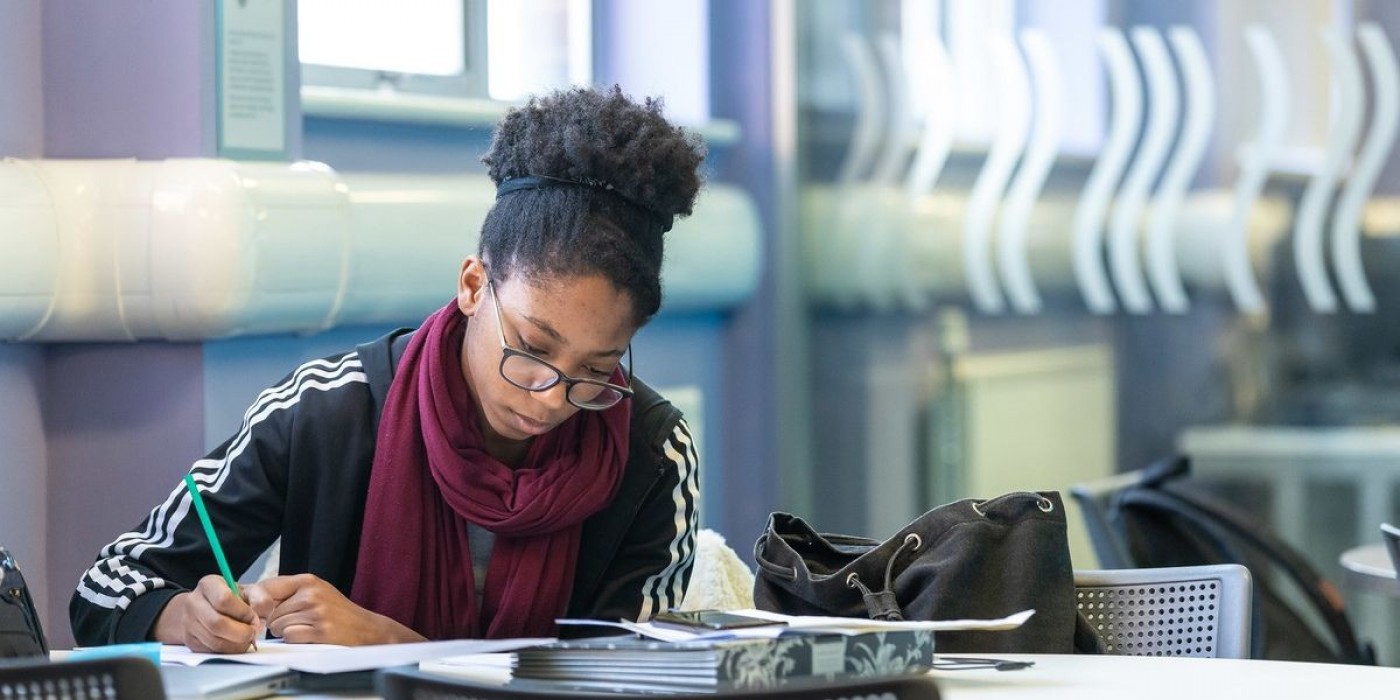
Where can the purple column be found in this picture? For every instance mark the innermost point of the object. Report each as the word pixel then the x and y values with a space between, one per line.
pixel 128 79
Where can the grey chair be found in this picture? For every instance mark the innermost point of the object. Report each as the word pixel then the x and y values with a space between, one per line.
pixel 118 678
pixel 412 684
pixel 1199 611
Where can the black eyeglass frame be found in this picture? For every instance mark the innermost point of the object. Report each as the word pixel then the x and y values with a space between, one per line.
pixel 508 352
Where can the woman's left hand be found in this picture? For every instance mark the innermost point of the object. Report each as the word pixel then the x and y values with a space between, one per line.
pixel 304 609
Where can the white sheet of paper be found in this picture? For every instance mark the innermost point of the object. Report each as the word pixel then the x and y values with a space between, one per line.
pixel 483 668
pixel 328 658
pixel 808 623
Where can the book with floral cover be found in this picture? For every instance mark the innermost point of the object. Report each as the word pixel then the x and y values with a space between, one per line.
pixel 640 665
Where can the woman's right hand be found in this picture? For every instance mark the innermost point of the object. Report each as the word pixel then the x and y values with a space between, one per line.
pixel 209 618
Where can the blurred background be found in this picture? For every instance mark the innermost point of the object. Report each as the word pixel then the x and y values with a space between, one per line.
pixel 947 248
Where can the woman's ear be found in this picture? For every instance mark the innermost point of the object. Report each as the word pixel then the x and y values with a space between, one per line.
pixel 471 285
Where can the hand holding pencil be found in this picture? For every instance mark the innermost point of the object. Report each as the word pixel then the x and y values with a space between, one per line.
pixel 215 616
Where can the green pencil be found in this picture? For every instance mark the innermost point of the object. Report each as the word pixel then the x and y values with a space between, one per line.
pixel 213 539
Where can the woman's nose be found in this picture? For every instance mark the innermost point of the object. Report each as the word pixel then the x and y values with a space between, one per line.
pixel 555 397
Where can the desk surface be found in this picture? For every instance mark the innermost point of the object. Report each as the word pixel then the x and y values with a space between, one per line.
pixel 1076 677
pixel 1368 567
pixel 1147 678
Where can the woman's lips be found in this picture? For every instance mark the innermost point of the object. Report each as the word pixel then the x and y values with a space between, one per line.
pixel 531 426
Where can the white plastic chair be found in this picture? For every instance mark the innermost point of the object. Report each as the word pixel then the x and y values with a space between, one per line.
pixel 1199 611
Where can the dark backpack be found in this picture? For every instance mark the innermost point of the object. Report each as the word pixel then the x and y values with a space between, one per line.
pixel 21 633
pixel 1158 519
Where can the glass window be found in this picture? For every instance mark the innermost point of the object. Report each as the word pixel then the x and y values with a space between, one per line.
pixel 425 36
pixel 432 46
pixel 442 46
pixel 538 45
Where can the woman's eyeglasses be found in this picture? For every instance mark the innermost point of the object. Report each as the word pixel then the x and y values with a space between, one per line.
pixel 530 373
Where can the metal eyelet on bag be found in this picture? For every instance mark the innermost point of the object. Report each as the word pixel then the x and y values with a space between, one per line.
pixel 977 510
pixel 853 580
pixel 918 541
pixel 1045 505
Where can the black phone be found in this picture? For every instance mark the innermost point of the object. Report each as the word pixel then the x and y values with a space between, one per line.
pixel 710 620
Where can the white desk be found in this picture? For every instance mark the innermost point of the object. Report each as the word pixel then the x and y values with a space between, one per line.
pixel 1149 678
pixel 1066 677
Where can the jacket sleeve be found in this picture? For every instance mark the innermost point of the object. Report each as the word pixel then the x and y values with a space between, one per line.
pixel 242 483
pixel 653 565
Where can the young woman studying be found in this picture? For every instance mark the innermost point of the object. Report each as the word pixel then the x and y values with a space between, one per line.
pixel 480 476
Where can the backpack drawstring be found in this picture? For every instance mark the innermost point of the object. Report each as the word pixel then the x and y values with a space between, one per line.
pixel 882 605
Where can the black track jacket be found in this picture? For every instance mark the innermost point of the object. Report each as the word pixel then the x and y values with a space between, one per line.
pixel 299 469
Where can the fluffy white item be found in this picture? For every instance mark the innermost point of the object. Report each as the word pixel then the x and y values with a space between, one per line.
pixel 720 580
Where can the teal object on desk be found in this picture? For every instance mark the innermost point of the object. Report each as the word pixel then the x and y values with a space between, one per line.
pixel 145 650
pixel 209 532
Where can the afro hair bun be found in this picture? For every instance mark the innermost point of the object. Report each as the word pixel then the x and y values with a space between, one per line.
pixel 593 135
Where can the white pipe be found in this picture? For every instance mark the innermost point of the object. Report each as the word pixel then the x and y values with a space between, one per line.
pixel 189 249
pixel 29 235
pixel 1375 149
pixel 1042 147
pixel 1162 269
pixel 1124 225
pixel 1124 123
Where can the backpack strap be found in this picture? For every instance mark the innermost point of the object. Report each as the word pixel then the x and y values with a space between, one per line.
pixel 396 350
pixel 1220 526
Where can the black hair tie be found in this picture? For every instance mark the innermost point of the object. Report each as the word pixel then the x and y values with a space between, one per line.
pixel 538 182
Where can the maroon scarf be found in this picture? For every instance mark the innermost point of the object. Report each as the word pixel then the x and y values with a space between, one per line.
pixel 431 475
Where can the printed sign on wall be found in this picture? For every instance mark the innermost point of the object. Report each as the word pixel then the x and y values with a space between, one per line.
pixel 251 79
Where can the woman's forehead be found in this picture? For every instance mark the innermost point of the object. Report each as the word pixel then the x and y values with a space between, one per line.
pixel 587 312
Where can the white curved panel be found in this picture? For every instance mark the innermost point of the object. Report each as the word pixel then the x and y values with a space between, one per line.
pixel 899 126
pixel 29 237
pixel 1042 147
pixel 1347 107
pixel 1162 269
pixel 940 118
pixel 1013 104
pixel 1274 103
pixel 190 249
pixel 877 234
pixel 1205 214
pixel 870 109
pixel 1375 149
pixel 1124 256
pixel 840 239
pixel 1124 124
pixel 924 245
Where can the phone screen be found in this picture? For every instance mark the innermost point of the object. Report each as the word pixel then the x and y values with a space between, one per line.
pixel 710 620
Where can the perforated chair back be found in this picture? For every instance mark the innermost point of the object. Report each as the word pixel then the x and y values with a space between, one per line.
pixel 1175 611
pixel 410 684
pixel 125 678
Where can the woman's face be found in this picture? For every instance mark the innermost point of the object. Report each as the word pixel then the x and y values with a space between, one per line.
pixel 580 325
